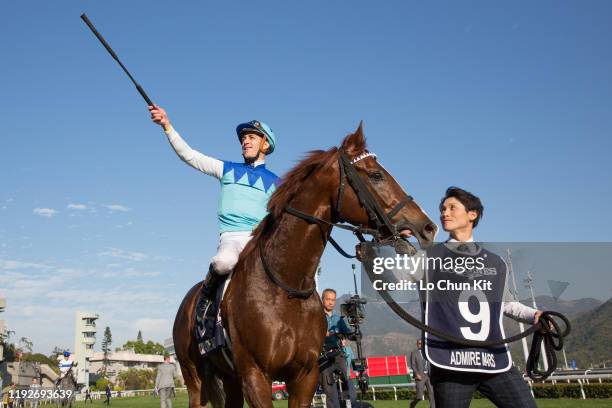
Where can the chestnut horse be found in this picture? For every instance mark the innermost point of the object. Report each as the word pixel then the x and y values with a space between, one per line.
pixel 272 314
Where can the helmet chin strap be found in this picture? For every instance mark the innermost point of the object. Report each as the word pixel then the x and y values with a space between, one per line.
pixel 264 139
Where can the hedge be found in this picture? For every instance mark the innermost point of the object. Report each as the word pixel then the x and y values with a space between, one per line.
pixel 540 391
pixel 572 390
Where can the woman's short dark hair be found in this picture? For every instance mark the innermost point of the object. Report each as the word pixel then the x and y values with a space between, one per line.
pixel 469 201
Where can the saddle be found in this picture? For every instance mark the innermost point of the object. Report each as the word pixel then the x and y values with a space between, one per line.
pixel 209 331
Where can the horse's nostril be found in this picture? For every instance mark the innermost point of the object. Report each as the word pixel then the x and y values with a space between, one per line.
pixel 430 228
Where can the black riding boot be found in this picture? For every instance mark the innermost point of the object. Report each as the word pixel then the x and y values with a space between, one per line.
pixel 205 324
pixel 211 283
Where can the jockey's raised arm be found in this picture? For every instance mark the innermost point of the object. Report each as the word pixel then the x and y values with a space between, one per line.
pixel 195 159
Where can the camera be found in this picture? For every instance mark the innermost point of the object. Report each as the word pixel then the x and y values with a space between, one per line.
pixel 354 310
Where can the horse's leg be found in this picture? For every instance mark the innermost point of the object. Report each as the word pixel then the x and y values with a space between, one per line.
pixel 193 383
pixel 187 352
pixel 302 390
pixel 257 388
pixel 233 392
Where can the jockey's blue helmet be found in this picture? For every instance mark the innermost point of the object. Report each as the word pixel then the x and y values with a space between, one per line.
pixel 260 128
pixel 66 353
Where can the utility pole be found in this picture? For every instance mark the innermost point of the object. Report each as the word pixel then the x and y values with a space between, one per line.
pixel 3 333
pixel 556 289
pixel 529 285
pixel 516 297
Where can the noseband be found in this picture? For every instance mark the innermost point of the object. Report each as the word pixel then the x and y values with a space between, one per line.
pixel 376 214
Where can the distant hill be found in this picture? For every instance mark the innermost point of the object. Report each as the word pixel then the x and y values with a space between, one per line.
pixel 570 308
pixel 389 344
pixel 385 333
pixel 591 337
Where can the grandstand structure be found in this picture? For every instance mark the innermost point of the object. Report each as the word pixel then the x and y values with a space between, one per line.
pixel 387 370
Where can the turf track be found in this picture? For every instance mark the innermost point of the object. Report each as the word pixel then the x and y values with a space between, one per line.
pixel 181 402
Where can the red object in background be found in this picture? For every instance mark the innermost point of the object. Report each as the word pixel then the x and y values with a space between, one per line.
pixel 279 391
pixel 386 366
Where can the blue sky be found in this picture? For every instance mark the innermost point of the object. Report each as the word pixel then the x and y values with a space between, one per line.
pixel 509 101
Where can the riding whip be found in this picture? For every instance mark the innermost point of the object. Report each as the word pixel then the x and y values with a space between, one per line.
pixel 112 53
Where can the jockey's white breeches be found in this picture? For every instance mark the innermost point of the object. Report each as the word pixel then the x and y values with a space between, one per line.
pixel 230 246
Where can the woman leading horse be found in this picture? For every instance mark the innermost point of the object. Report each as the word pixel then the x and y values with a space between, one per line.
pixel 272 313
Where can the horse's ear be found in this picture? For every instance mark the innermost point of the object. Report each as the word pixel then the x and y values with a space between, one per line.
pixel 355 143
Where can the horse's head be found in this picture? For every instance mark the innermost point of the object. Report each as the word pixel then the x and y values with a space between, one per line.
pixel 372 197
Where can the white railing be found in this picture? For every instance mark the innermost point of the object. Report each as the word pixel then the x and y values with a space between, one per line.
pixel 582 377
pixel 123 394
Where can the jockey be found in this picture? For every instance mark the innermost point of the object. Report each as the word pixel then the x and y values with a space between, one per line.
pixel 245 189
pixel 65 365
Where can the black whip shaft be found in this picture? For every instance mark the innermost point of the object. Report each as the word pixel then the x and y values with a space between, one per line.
pixel 112 53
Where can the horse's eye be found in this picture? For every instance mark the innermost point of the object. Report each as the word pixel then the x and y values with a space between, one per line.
pixel 376 176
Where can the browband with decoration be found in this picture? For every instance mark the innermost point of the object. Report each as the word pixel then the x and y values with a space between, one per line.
pixel 363 156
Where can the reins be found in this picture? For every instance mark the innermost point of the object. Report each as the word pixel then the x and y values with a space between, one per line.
pixel 366 198
pixel 375 213
pixel 293 293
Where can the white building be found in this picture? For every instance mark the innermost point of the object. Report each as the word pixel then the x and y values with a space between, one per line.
pixel 84 340
pixel 169 347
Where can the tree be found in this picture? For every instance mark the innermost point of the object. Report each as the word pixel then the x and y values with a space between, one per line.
pixel 154 348
pixel 10 352
pixel 26 345
pixel 41 358
pixel 139 337
pixel 101 384
pixel 106 344
pixel 140 347
pixel 57 351
pixel 137 379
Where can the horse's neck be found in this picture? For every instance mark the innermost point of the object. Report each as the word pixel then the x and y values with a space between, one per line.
pixel 295 247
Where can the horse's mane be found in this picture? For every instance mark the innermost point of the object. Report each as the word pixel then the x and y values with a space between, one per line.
pixel 290 185
pixel 353 145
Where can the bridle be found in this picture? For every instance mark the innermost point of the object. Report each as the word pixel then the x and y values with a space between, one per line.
pixel 375 212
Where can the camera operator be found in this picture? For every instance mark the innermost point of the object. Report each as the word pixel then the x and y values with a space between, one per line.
pixel 336 328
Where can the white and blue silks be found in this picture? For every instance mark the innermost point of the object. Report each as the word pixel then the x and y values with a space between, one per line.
pixel 245 190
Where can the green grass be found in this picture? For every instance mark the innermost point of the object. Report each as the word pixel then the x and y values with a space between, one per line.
pixel 181 402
